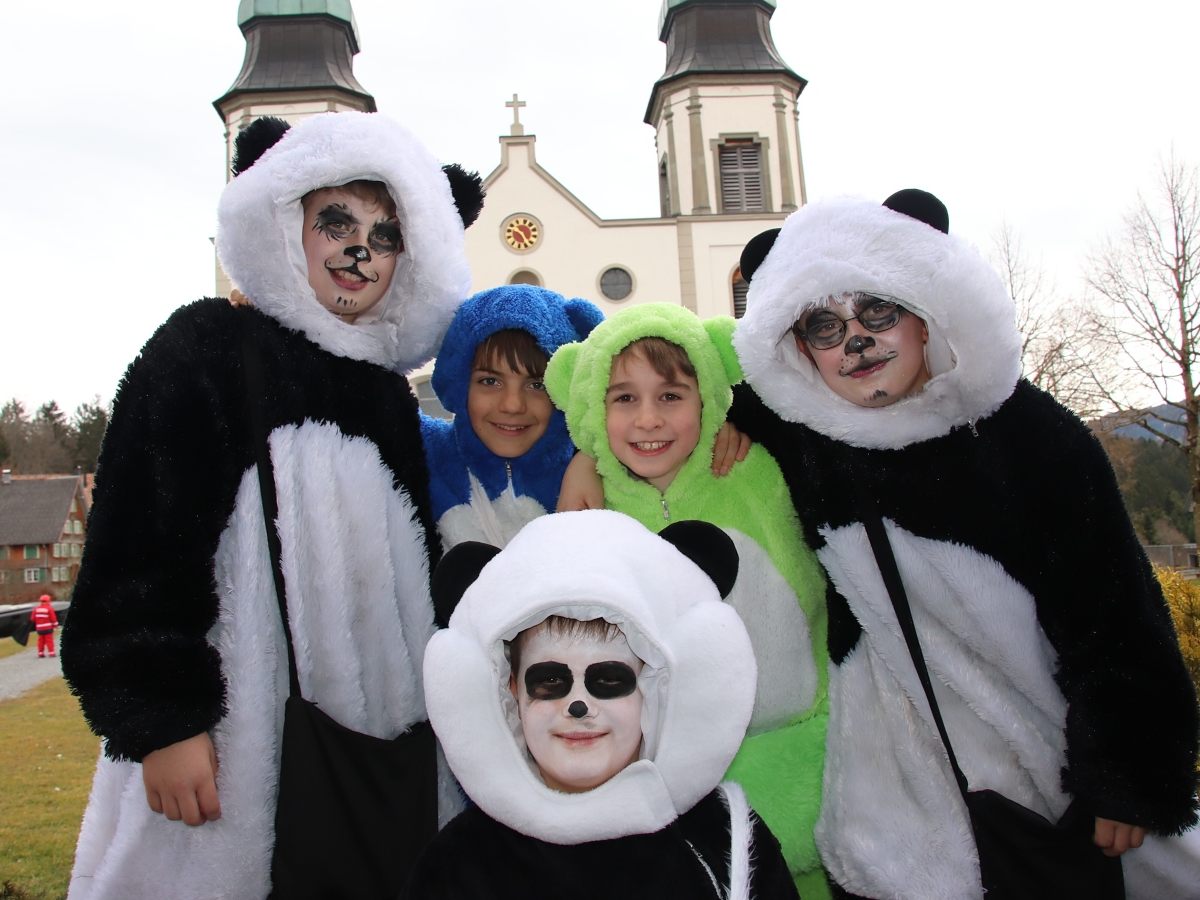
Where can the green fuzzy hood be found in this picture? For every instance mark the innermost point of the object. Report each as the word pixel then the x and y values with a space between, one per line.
pixel 578 374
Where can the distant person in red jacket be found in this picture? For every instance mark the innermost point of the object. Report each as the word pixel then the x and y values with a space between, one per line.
pixel 45 620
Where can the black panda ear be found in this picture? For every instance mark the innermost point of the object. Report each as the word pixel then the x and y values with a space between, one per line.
pixel 256 139
pixel 454 574
pixel 922 206
pixel 756 251
pixel 467 188
pixel 708 547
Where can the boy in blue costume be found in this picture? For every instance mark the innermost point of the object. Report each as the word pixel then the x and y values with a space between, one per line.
pixel 499 463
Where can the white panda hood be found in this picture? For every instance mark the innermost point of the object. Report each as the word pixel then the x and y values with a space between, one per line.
pixel 697 683
pixel 844 245
pixel 260 221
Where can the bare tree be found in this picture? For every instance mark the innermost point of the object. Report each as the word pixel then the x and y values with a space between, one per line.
pixel 1058 338
pixel 1147 275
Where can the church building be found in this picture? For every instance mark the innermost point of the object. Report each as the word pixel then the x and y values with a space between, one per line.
pixel 728 155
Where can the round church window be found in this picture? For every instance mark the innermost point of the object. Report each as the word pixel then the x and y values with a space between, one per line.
pixel 616 283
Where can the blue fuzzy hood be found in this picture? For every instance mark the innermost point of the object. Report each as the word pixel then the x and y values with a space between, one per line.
pixel 452 448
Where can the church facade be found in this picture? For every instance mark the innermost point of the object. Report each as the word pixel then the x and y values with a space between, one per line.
pixel 728 155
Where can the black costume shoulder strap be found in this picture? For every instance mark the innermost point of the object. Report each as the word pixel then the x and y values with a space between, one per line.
pixel 255 395
pixel 886 560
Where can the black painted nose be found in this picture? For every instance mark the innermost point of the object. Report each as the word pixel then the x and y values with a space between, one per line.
pixel 577 709
pixel 859 343
pixel 358 253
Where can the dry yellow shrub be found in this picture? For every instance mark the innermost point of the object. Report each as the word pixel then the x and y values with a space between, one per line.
pixel 1183 597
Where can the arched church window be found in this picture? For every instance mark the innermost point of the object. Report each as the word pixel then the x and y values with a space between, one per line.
pixel 525 276
pixel 739 288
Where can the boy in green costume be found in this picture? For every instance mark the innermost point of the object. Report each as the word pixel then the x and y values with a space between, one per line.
pixel 647 387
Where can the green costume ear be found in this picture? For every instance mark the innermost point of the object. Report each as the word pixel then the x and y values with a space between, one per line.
pixel 560 371
pixel 720 332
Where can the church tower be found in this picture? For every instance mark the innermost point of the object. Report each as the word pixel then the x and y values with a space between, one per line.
pixel 299 61
pixel 724 112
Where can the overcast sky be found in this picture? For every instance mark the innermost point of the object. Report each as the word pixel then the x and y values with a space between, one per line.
pixel 1050 116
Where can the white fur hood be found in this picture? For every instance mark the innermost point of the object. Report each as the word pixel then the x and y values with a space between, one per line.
pixel 259 236
pixel 837 246
pixel 697 682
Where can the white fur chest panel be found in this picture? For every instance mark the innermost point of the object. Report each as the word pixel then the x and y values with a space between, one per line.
pixel 356 572
pixel 493 522
pixel 779 633
pixel 357 581
pixel 887 780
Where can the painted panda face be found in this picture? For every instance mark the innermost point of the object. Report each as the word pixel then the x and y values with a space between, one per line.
pixel 871 368
pixel 580 707
pixel 350 245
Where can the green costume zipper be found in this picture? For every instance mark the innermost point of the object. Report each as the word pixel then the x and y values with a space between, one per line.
pixel 666 511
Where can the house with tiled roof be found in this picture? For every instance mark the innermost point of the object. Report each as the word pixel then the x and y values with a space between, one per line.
pixel 43 521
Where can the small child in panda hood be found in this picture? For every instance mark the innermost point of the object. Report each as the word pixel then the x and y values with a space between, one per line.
pixel 346 237
pixel 885 372
pixel 589 703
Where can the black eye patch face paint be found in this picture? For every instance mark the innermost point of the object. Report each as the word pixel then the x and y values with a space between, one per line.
pixel 548 681
pixel 610 680
pixel 385 238
pixel 604 680
pixel 335 221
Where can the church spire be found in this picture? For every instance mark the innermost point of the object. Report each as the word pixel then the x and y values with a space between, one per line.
pixel 298 53
pixel 724 112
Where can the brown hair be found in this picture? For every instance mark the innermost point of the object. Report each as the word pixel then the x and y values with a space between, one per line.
pixel 516 348
pixel 364 189
pixel 664 357
pixel 561 626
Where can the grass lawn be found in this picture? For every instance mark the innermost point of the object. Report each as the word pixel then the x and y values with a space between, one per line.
pixel 47 755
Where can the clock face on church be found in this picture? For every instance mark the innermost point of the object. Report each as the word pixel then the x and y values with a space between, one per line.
pixel 521 232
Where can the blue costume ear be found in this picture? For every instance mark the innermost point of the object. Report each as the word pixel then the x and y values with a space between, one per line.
pixel 922 206
pixel 256 139
pixel 454 574
pixel 708 547
pixel 467 188
pixel 584 316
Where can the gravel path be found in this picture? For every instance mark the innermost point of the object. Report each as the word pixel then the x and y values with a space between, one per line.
pixel 22 671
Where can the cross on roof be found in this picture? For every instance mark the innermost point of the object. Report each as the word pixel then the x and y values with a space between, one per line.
pixel 515 105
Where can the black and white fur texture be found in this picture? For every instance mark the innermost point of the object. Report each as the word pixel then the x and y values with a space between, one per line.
pixel 1049 645
pixel 660 826
pixel 176 629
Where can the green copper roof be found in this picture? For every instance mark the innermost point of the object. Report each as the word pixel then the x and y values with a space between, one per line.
pixel 338 9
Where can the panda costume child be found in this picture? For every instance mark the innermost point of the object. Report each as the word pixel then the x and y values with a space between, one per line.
pixel 175 633
pixel 1049 646
pixel 662 825
pixel 486 487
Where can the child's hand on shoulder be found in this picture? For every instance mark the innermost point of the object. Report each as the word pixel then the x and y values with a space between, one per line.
pixel 1114 838
pixel 730 446
pixel 581 486
pixel 181 780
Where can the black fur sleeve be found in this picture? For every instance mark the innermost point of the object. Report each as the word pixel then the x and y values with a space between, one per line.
pixel 1132 718
pixel 134 648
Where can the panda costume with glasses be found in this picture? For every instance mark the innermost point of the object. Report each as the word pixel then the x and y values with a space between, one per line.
pixel 883 370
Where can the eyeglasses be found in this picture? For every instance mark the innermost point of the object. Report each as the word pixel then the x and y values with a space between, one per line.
pixel 824 328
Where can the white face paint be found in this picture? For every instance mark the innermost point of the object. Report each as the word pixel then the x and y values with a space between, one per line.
pixel 577 739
